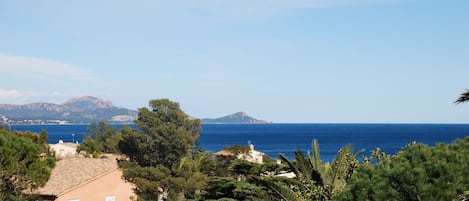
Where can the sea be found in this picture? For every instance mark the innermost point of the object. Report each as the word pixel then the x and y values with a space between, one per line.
pixel 274 139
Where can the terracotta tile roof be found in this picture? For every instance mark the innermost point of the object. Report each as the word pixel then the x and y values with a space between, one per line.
pixel 224 153
pixel 70 172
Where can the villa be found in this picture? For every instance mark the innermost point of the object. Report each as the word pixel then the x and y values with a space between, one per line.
pixel 251 155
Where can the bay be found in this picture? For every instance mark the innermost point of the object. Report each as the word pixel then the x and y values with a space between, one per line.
pixel 273 139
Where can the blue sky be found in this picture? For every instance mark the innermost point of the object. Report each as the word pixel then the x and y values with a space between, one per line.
pixel 295 61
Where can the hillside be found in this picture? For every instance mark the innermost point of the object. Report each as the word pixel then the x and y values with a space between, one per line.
pixel 236 118
pixel 86 109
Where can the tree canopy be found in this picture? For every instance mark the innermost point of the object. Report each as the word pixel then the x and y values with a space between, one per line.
pixel 417 172
pixel 162 164
pixel 21 166
pixel 101 137
pixel 167 134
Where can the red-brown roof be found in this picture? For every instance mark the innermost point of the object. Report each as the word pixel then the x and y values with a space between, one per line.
pixel 70 172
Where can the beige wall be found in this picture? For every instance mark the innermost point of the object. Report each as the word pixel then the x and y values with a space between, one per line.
pixel 97 190
pixel 62 150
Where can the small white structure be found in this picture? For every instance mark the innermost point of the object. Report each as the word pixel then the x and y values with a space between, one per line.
pixel 252 155
pixel 63 150
pixel 286 174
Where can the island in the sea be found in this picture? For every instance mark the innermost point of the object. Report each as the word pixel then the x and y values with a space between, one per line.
pixel 236 118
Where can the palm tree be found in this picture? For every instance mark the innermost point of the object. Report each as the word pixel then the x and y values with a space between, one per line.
pixel 315 180
pixel 464 97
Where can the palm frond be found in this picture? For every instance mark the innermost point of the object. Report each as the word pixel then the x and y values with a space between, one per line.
pixel 316 154
pixel 316 180
pixel 320 169
pixel 464 97
pixel 281 190
pixel 303 165
pixel 289 163
pixel 340 167
pixel 358 153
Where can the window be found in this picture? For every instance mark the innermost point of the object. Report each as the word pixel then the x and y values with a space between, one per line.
pixel 111 198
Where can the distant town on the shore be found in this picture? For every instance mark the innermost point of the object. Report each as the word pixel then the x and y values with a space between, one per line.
pixel 88 109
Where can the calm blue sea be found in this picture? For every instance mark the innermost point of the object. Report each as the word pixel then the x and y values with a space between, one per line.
pixel 273 139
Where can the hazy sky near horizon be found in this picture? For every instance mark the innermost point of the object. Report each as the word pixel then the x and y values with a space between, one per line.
pixel 291 61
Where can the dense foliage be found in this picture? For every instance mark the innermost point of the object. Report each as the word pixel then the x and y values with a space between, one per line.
pixel 101 138
pixel 21 165
pixel 168 131
pixel 417 172
pixel 162 164
pixel 314 180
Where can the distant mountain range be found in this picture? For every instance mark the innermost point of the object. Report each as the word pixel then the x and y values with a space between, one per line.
pixel 236 118
pixel 86 109
pixel 90 109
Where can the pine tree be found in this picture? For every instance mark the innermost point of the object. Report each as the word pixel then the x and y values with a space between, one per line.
pixel 164 136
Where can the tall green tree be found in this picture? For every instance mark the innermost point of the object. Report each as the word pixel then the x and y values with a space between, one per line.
pixel 169 132
pixel 107 134
pixel 21 167
pixel 164 136
pixel 101 137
